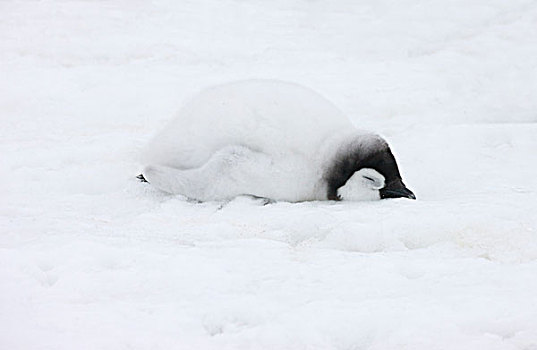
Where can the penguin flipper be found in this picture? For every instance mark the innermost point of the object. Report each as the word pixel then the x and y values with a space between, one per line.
pixel 231 171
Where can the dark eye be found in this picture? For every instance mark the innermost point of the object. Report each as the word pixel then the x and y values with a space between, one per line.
pixel 369 178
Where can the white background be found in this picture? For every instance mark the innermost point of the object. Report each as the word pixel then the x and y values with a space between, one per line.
pixel 92 259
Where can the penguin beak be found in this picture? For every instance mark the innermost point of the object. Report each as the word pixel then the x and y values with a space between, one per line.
pixel 396 191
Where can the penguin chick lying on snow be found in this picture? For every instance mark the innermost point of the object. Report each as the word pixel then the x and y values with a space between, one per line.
pixel 269 139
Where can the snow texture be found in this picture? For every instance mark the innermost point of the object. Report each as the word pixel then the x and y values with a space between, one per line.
pixel 90 258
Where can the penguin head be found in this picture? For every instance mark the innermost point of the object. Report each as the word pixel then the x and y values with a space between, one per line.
pixel 364 184
pixel 366 169
pixel 396 189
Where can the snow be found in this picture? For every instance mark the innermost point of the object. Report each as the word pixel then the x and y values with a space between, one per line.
pixel 92 259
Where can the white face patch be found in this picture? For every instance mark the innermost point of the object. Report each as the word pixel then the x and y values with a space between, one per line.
pixel 363 185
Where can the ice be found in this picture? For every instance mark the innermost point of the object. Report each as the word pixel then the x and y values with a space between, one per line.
pixel 90 258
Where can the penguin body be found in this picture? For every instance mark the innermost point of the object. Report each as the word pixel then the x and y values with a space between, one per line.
pixel 268 139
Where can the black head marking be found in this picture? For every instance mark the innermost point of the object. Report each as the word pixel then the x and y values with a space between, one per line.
pixel 369 151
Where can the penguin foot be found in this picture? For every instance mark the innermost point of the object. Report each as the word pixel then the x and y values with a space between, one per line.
pixel 263 200
pixel 267 201
pixel 142 178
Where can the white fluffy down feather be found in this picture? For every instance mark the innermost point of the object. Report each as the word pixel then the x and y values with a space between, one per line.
pixel 264 138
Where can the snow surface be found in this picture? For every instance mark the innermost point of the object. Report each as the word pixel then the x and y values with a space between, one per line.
pixel 92 259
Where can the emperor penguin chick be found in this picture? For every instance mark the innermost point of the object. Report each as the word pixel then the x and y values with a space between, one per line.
pixel 270 139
